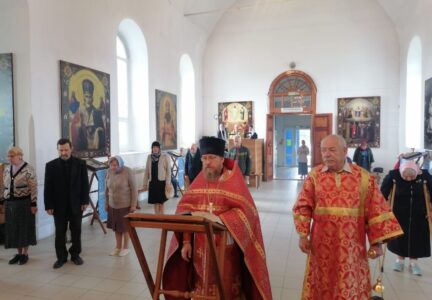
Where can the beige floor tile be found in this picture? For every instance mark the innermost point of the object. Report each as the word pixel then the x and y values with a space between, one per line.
pixel 105 277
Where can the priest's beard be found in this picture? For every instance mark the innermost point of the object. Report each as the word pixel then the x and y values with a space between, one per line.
pixel 211 174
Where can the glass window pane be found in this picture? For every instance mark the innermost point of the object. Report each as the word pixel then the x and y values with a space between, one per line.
pixel 121 50
pixel 123 135
pixel 123 98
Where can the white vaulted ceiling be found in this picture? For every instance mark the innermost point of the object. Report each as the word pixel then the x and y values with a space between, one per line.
pixel 207 13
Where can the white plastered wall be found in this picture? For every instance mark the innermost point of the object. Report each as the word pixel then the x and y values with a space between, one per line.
pixel 349 48
pixel 42 32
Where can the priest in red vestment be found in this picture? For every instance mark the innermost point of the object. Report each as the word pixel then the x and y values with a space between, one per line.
pixel 220 191
pixel 338 207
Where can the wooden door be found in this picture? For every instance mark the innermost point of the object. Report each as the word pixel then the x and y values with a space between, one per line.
pixel 268 170
pixel 322 125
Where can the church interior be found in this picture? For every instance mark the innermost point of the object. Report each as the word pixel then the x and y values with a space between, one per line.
pixel 201 54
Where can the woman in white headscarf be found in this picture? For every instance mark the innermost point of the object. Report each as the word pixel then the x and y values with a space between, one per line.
pixel 411 207
pixel 122 195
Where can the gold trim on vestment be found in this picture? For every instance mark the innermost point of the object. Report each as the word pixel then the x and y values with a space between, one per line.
pixel 306 287
pixel 387 237
pixel 301 218
pixel 338 211
pixel 219 192
pixel 378 219
pixel 251 234
pixel 255 243
pixel 364 184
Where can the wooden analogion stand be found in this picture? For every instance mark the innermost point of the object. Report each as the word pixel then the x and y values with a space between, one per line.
pixel 177 223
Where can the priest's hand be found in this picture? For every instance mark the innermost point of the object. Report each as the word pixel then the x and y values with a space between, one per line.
pixel 304 244
pixel 186 251
pixel 375 251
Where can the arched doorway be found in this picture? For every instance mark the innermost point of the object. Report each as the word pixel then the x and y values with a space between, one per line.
pixel 294 93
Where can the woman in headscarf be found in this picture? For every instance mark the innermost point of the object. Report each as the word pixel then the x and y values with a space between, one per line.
pixel 412 192
pixel 20 197
pixel 157 178
pixel 122 195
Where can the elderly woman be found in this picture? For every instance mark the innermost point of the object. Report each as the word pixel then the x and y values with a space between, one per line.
pixel 20 204
pixel 412 190
pixel 157 178
pixel 122 195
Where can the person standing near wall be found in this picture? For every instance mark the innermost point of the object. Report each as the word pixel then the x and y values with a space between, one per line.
pixel 66 196
pixel 241 155
pixel 20 201
pixel 157 177
pixel 193 164
pixel 122 198
pixel 363 156
pixel 411 189
pixel 303 152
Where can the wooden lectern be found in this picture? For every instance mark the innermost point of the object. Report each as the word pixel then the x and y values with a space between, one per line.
pixel 177 223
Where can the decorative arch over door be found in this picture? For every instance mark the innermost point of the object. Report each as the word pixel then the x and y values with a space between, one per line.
pixel 293 92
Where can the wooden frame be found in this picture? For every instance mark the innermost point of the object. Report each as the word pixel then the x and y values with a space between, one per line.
pixel 176 223
pixel 296 91
pixel 7 128
pixel 359 119
pixel 166 120
pixel 238 114
pixel 85 109
pixel 428 115
pixel 292 92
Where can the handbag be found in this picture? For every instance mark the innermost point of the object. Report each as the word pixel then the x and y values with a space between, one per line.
pixel 169 191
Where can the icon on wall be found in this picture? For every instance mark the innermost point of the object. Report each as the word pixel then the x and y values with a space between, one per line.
pixel 85 109
pixel 359 120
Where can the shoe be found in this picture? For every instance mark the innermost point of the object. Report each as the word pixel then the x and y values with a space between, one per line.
pixel 23 259
pixel 77 260
pixel 59 263
pixel 115 252
pixel 15 259
pixel 415 270
pixel 398 266
pixel 123 252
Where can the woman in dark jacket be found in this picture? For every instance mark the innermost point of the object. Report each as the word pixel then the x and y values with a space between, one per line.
pixel 410 209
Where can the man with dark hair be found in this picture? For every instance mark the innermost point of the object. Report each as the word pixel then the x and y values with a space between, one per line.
pixel 66 196
pixel 219 192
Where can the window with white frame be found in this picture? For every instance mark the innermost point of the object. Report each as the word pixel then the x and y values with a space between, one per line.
pixel 187 75
pixel 413 101
pixel 123 95
pixel 133 95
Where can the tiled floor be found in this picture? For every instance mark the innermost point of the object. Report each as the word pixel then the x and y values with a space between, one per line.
pixel 106 277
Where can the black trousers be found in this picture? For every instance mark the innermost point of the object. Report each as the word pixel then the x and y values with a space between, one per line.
pixel 61 222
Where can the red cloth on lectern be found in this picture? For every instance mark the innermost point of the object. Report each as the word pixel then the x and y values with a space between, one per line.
pixel 245 269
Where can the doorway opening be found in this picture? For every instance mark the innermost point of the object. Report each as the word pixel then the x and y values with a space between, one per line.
pixel 289 131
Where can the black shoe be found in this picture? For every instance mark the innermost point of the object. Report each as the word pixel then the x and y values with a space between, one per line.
pixel 77 260
pixel 15 259
pixel 175 196
pixel 59 263
pixel 23 259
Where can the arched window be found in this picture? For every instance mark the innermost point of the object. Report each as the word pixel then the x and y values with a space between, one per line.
pixel 413 116
pixel 187 75
pixel 123 95
pixel 133 94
